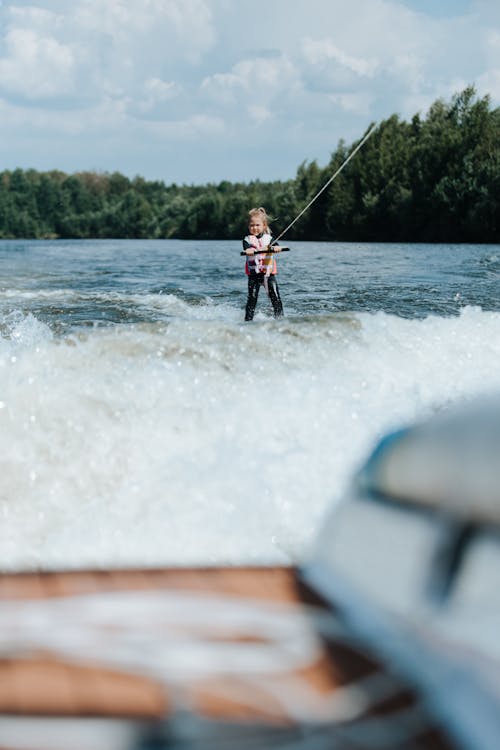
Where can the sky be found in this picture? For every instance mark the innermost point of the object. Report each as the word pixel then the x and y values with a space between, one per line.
pixel 199 91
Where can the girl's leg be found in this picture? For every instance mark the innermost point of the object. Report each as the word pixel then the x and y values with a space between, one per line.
pixel 274 296
pixel 253 293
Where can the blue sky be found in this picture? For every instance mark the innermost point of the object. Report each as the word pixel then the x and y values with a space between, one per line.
pixel 195 91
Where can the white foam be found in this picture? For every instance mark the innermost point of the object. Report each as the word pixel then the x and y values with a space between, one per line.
pixel 207 440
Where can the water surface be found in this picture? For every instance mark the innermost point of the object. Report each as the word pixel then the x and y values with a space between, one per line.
pixel 143 422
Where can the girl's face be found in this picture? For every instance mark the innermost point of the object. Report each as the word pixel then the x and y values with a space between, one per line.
pixel 255 225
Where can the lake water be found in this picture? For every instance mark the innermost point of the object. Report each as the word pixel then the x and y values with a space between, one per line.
pixel 143 422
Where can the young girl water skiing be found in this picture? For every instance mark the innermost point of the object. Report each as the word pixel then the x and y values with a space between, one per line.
pixel 260 267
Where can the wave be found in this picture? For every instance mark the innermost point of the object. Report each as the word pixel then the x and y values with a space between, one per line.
pixel 201 439
pixel 66 309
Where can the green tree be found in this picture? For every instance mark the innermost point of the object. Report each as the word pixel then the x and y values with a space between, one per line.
pixel 434 178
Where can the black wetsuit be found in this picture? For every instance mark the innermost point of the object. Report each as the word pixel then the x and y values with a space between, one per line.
pixel 255 281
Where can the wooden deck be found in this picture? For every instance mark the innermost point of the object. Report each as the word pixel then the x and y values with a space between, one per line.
pixel 41 677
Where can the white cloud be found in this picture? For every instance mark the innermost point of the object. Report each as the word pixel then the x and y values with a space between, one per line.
pixel 254 92
pixel 156 99
pixel 358 102
pixel 160 91
pixel 108 116
pixel 258 113
pixel 279 81
pixel 31 16
pixel 36 66
pixel 255 79
pixel 93 48
pixel 150 31
pixel 324 51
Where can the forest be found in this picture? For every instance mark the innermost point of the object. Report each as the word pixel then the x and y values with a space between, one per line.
pixel 434 179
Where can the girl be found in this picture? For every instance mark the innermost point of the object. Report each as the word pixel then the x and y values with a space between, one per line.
pixel 260 268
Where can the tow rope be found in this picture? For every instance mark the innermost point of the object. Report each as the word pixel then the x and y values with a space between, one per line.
pixel 329 182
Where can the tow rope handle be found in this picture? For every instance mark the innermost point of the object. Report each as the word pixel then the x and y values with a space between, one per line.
pixel 268 252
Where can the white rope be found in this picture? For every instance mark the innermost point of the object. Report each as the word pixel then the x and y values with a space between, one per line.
pixel 339 170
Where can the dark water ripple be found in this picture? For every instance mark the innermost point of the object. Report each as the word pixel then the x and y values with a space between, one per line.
pixel 82 283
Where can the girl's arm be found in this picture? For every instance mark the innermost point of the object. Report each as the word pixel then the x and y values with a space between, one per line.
pixel 248 247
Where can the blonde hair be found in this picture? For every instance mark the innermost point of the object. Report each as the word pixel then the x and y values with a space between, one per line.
pixel 261 214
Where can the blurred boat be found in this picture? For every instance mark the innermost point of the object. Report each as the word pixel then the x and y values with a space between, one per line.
pixel 412 561
pixel 385 637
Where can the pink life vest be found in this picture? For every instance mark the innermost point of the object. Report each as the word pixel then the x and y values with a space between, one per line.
pixel 259 263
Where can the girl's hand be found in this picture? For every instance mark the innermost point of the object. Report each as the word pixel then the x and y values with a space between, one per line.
pixel 249 251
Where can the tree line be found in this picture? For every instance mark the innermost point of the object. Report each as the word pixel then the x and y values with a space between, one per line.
pixel 434 179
